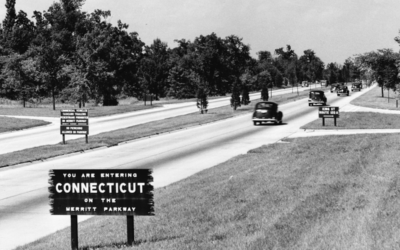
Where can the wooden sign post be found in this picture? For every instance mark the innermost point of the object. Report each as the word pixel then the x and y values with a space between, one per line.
pixel 328 112
pixel 74 122
pixel 125 192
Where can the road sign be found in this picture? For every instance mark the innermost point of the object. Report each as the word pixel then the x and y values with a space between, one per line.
pixel 74 122
pixel 328 112
pixel 76 192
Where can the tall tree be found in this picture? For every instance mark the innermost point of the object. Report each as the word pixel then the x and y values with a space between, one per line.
pixel 154 69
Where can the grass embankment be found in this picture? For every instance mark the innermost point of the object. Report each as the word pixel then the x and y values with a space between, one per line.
pixel 339 192
pixel 135 132
pixel 358 120
pixel 10 123
pixel 374 99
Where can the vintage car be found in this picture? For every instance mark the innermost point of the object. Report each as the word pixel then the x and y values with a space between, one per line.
pixel 334 87
pixel 343 90
pixel 265 112
pixel 356 86
pixel 316 97
pixel 304 84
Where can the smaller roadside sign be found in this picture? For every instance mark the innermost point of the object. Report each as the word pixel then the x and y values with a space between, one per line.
pixel 328 112
pixel 74 122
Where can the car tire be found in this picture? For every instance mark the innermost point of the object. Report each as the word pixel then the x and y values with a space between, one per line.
pixel 255 123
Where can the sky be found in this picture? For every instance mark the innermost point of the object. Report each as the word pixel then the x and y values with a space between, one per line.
pixel 334 29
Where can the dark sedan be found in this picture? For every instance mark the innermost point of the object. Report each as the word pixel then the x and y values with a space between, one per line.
pixel 317 97
pixel 343 91
pixel 267 112
pixel 356 86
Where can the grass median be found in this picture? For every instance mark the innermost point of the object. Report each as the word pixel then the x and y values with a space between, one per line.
pixel 339 192
pixel 11 124
pixel 135 132
pixel 93 111
pixel 358 120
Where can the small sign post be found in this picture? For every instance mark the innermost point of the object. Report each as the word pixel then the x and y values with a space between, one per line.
pixel 328 112
pixel 76 192
pixel 74 122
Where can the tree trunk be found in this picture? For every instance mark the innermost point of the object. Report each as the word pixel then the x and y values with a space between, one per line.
pixel 54 98
pixel 382 91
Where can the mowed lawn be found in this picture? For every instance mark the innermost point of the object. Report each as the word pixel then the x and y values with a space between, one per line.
pixel 339 192
pixel 18 124
pixel 358 120
pixel 374 99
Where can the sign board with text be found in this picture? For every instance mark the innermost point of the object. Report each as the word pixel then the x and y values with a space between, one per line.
pixel 74 122
pixel 101 192
pixel 328 112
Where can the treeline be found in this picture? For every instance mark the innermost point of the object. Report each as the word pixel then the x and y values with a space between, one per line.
pixel 74 56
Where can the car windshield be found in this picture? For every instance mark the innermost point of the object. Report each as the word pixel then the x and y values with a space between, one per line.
pixel 315 95
pixel 265 105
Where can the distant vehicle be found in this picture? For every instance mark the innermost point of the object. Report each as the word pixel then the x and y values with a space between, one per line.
pixel 343 90
pixel 356 86
pixel 267 112
pixel 334 87
pixel 324 83
pixel 304 84
pixel 317 97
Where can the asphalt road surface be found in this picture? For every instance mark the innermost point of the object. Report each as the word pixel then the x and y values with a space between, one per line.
pixel 50 134
pixel 24 209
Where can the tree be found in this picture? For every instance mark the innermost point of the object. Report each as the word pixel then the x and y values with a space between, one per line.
pixel 383 66
pixel 311 66
pixel 154 68
pixel 202 102
pixel 236 58
pixel 235 98
pixel 8 23
pixel 207 54
pixel 247 81
pixel 17 75
pixel 182 78
pixel 264 81
pixel 108 58
pixel 288 62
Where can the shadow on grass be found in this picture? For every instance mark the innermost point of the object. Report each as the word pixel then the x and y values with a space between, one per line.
pixel 124 244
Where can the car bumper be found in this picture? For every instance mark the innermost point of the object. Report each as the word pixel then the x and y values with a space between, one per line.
pixel 316 102
pixel 265 120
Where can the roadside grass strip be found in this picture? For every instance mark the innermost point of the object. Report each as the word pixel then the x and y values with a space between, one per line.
pixel 11 124
pixel 112 138
pixel 374 99
pixel 93 111
pixel 339 192
pixel 357 120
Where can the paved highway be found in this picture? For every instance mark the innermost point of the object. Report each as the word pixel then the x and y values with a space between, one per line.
pixel 50 134
pixel 24 208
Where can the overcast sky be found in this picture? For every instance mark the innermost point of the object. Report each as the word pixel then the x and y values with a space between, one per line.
pixel 334 29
